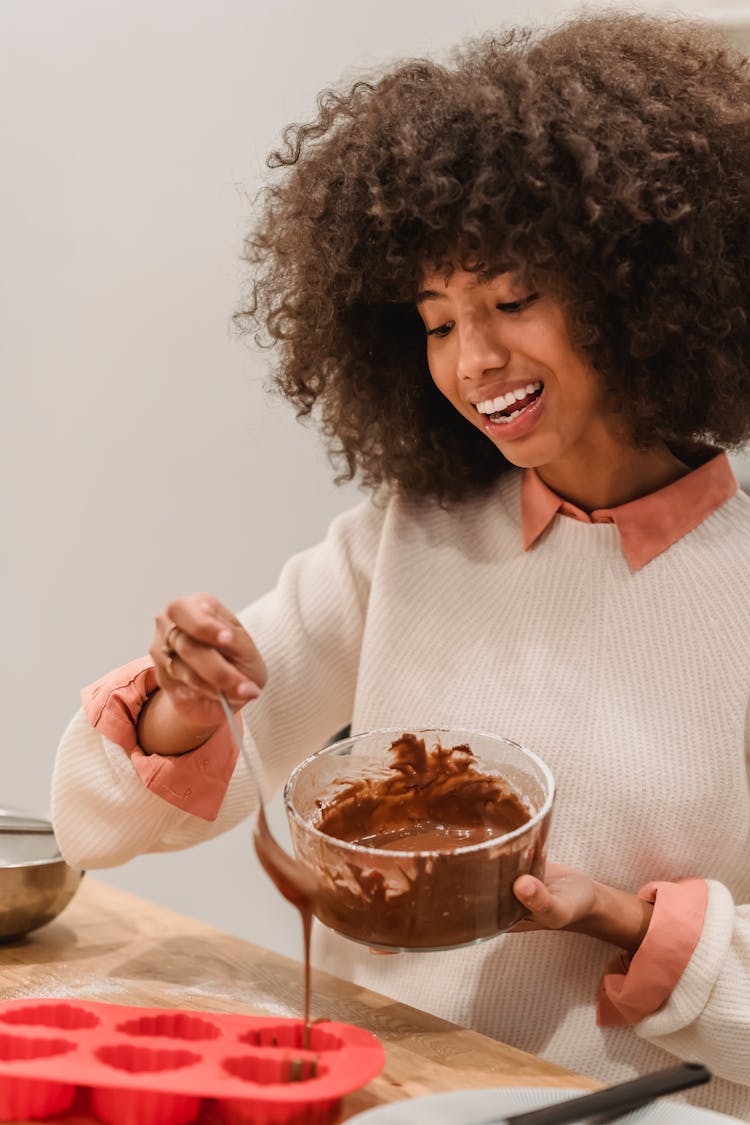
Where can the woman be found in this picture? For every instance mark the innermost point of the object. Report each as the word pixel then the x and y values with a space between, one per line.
pixel 513 291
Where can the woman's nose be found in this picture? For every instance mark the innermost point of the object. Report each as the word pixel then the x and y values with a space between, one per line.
pixel 480 350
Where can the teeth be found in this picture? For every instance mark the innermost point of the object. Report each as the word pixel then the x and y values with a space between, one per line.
pixel 502 402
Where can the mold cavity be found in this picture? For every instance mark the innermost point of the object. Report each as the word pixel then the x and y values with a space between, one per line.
pixel 142 1060
pixel 264 1071
pixel 64 1016
pixel 291 1035
pixel 13 1048
pixel 171 1025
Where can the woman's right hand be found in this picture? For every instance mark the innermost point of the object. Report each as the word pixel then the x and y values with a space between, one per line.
pixel 199 649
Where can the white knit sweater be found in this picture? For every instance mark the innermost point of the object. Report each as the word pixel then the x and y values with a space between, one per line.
pixel 633 686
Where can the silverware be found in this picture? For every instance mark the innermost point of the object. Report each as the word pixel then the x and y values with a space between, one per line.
pixel 614 1101
pixel 292 878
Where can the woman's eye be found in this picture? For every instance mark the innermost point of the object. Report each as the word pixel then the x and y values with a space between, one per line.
pixel 441 330
pixel 518 306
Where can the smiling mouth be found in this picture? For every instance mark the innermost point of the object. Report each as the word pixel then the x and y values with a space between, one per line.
pixel 506 407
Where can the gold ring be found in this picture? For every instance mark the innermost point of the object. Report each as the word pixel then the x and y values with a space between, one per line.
pixel 168 647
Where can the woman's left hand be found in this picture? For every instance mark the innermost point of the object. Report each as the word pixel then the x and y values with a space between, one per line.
pixel 571 900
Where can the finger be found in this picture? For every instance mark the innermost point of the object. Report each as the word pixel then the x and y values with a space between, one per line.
pixel 173 675
pixel 234 642
pixel 526 887
pixel 535 896
pixel 216 609
pixel 194 617
pixel 184 689
pixel 203 618
pixel 205 669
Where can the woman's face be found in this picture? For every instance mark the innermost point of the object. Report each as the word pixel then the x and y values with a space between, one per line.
pixel 502 355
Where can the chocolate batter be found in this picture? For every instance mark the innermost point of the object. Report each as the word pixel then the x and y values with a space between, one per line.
pixel 432 800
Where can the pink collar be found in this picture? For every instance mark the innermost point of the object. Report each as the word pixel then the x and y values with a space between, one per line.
pixel 647 526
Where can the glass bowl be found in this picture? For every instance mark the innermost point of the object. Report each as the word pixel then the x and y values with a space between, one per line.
pixel 444 876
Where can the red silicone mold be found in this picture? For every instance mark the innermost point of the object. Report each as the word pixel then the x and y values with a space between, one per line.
pixel 157 1066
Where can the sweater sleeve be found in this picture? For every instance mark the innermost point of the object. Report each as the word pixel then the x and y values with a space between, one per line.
pixel 707 1014
pixel 634 987
pixel 195 782
pixel 309 631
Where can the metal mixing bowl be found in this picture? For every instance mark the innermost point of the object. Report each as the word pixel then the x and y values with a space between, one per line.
pixel 35 881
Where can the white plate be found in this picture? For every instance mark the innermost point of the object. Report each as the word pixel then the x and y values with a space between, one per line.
pixel 475 1107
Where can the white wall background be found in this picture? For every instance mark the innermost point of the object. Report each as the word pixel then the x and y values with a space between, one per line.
pixel 141 458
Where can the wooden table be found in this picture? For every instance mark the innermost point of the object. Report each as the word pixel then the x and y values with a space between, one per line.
pixel 111 946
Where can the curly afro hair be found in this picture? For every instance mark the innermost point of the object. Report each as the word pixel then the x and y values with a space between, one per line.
pixel 610 157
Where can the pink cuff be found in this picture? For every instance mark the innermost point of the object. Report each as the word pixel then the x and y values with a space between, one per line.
pixel 195 782
pixel 633 988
